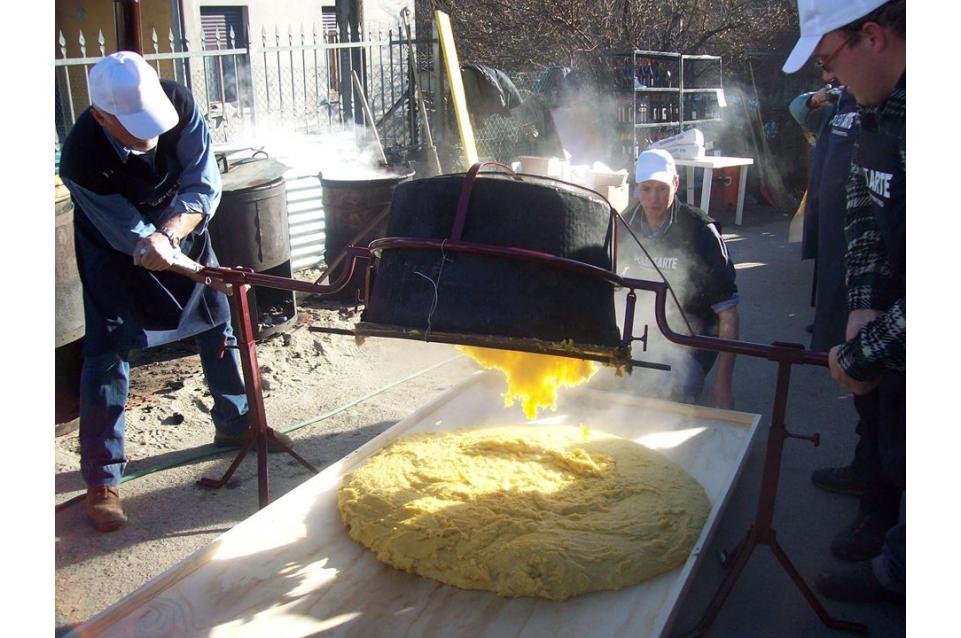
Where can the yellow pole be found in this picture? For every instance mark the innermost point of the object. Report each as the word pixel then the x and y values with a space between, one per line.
pixel 452 66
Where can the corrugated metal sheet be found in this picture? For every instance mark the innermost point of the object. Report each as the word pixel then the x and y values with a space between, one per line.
pixel 305 215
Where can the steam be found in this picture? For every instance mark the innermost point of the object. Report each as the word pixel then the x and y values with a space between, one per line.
pixel 644 382
pixel 346 154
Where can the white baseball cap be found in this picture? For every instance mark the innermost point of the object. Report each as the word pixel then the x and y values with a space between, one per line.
pixel 655 165
pixel 124 85
pixel 818 17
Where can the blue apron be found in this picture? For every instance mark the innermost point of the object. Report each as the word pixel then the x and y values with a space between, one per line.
pixel 824 223
pixel 128 307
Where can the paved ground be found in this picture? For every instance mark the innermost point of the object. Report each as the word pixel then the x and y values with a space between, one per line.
pixel 775 289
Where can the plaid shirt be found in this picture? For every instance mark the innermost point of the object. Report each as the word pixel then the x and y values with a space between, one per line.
pixel 871 282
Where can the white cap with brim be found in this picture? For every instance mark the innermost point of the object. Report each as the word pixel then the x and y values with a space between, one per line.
pixel 126 86
pixel 655 165
pixel 818 17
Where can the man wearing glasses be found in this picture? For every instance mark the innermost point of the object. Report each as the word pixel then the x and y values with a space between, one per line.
pixel 861 44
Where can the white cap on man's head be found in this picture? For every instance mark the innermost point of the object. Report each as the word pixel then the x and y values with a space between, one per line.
pixel 124 85
pixel 818 17
pixel 656 164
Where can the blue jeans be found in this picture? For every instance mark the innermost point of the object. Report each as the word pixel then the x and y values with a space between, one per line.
pixel 891 566
pixel 688 380
pixel 104 381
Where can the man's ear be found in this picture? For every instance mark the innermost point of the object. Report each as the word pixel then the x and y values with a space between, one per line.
pixel 97 115
pixel 875 36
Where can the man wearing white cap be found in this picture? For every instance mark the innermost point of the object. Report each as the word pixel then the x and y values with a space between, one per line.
pixel 144 183
pixel 861 43
pixel 688 250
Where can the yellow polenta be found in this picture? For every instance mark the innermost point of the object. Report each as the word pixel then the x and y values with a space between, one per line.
pixel 533 378
pixel 548 511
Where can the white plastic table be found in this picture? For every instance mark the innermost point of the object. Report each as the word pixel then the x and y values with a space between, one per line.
pixel 709 163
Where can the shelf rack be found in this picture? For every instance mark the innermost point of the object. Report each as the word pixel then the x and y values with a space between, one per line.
pixel 636 116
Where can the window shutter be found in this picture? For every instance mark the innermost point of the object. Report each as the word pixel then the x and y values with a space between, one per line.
pixel 217 22
pixel 330 19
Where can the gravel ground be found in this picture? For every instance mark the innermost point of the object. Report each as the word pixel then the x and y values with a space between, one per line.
pixel 306 375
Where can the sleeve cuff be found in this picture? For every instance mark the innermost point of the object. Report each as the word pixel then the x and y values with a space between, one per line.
pixel 855 364
pixel 726 304
pixel 191 203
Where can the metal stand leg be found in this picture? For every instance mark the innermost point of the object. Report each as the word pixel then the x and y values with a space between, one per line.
pixel 741 187
pixel 761 531
pixel 706 184
pixel 240 308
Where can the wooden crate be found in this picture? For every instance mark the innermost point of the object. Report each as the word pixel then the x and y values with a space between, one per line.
pixel 292 570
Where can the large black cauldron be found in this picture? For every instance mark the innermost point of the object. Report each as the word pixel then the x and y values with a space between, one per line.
pixel 433 290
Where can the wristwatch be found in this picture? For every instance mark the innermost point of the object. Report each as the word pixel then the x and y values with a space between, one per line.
pixel 169 234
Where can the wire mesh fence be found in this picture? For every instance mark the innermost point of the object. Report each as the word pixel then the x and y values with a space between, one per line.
pixel 502 138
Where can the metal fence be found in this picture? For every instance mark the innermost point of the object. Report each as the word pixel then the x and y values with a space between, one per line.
pixel 299 77
pixel 503 138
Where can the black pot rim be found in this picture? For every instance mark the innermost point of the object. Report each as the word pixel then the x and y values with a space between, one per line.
pixel 360 183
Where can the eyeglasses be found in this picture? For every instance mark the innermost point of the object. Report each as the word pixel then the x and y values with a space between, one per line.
pixel 822 63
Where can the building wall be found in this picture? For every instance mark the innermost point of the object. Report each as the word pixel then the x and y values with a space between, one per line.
pixel 262 14
pixel 93 16
pixel 378 14
pixel 386 13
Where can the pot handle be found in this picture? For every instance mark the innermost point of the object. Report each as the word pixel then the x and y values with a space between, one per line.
pixel 465 191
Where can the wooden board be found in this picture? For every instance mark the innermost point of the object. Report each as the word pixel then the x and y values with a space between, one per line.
pixel 451 64
pixel 292 570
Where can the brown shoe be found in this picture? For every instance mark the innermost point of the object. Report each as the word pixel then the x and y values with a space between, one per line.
pixel 104 509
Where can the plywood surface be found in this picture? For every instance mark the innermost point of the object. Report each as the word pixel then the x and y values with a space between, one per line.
pixel 292 570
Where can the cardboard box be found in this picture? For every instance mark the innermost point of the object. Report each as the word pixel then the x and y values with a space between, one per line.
pixel 618 196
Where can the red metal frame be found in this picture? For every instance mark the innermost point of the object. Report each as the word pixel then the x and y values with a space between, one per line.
pixel 240 308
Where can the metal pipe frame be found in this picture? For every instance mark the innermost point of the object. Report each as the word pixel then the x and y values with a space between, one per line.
pixel 240 308
pixel 761 531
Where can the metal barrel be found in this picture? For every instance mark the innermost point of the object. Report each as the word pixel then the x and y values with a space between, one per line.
pixel 250 229
pixel 350 205
pixel 69 294
pixel 69 322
